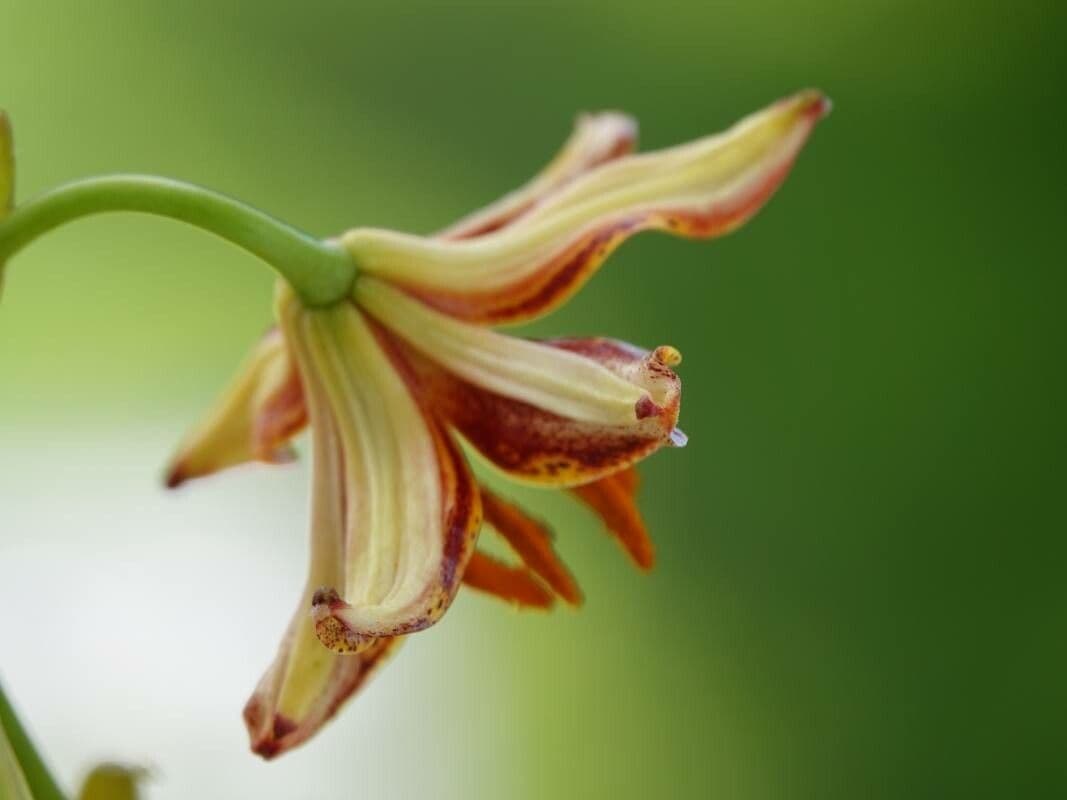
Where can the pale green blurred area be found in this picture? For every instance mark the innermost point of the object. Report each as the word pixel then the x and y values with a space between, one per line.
pixel 860 582
pixel 112 782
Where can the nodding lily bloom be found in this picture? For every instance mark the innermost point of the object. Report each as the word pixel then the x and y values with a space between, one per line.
pixel 391 379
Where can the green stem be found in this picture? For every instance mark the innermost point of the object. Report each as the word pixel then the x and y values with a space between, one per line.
pixel 320 272
pixel 38 778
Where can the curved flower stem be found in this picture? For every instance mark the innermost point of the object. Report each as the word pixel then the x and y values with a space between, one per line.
pixel 36 774
pixel 320 272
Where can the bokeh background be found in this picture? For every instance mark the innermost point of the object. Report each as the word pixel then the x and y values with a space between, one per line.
pixel 860 584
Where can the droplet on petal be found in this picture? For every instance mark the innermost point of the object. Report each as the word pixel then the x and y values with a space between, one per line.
pixel 558 413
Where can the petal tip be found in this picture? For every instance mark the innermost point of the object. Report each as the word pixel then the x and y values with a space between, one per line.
pixel 539 599
pixel 266 747
pixel 814 103
pixel 262 742
pixel 574 599
pixel 175 476
pixel 825 107
pixel 645 562
pixel 618 128
pixel 268 744
pixel 332 631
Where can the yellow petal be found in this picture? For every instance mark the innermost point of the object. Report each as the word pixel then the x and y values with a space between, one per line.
pixel 306 684
pixel 555 413
pixel 553 379
pixel 705 188
pixel 596 139
pixel 411 508
pixel 253 420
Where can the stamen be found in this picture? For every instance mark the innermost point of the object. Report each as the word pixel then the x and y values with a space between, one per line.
pixel 667 355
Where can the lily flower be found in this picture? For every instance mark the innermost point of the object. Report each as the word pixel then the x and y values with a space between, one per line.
pixel 393 378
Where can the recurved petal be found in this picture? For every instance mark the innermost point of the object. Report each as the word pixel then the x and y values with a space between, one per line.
pixel 560 413
pixel 596 139
pixel 411 508
pixel 253 420
pixel 306 684
pixel 557 377
pixel 614 500
pixel 516 585
pixel 702 189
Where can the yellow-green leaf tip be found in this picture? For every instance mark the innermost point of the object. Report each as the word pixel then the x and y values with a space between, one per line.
pixel 113 782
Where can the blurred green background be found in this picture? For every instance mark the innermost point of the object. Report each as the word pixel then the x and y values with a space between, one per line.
pixel 860 583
